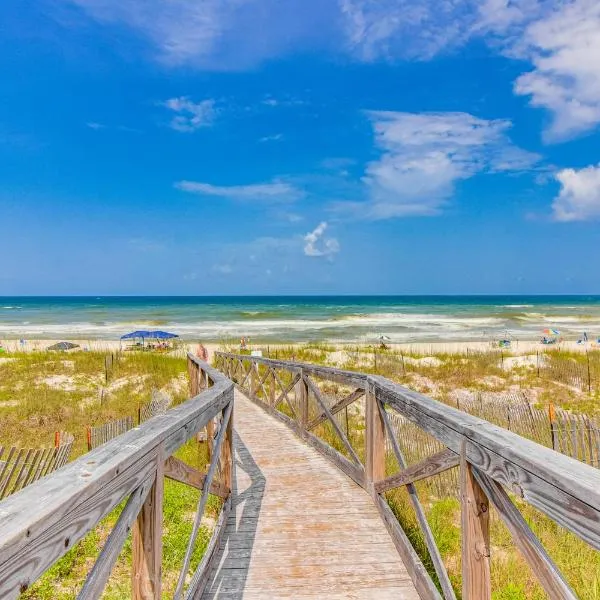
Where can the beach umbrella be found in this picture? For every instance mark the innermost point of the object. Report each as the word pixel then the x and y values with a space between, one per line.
pixel 162 335
pixel 136 334
pixel 551 331
pixel 63 346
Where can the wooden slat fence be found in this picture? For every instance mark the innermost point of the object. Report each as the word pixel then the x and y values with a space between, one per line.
pixel 157 406
pixel 34 535
pixel 490 464
pixel 20 467
pixel 100 434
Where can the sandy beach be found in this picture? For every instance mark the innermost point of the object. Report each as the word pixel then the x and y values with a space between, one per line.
pixel 519 347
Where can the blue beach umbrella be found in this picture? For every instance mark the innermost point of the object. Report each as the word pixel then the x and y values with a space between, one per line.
pixel 136 334
pixel 162 335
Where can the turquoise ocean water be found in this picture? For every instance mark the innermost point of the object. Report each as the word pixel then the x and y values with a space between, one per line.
pixel 298 319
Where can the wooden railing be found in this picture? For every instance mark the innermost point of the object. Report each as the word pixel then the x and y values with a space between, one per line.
pixel 494 465
pixel 39 524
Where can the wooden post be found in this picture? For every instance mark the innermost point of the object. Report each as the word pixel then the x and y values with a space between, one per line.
pixel 227 453
pixel 252 380
pixel 475 525
pixel 375 441
pixel 302 398
pixel 553 431
pixel 146 542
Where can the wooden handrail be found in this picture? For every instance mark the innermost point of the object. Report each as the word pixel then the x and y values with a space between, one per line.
pixel 39 524
pixel 489 458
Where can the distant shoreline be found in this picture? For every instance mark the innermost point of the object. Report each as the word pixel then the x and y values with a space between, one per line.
pixel 424 348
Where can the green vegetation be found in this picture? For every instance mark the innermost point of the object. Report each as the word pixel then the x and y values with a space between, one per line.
pixel 41 393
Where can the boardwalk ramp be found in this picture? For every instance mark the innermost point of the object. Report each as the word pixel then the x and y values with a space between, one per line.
pixel 299 528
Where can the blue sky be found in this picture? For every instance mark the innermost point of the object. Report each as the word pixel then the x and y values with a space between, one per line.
pixel 330 146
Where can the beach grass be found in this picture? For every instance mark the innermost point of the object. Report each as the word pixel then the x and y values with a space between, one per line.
pixel 44 392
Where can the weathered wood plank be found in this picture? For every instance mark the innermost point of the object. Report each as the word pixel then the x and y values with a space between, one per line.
pixel 430 542
pixel 319 398
pixel 564 489
pixel 96 580
pixel 202 501
pixel 374 441
pixel 337 407
pixel 540 562
pixel 433 465
pixel 146 541
pixel 475 528
pixel 202 573
pixel 180 471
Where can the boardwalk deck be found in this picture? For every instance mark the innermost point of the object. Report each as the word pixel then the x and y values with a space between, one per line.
pixel 299 528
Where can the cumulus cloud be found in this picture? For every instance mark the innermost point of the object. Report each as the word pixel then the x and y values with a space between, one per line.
pixel 579 197
pixel 189 115
pixel 317 245
pixel 564 48
pixel 425 154
pixel 273 192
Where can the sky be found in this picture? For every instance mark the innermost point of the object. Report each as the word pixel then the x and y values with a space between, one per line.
pixel 299 147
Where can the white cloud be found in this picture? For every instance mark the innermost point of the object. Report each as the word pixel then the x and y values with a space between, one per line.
pixel 275 191
pixel 272 138
pixel 224 269
pixel 579 197
pixel 190 115
pixel 316 245
pixel 219 34
pixel 425 154
pixel 564 48
pixel 95 126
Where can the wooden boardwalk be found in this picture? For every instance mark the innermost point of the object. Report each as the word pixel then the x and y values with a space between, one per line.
pixel 299 528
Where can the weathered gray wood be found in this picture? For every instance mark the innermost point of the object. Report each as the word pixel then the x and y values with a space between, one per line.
pixel 178 470
pixel 327 373
pixel 43 521
pixel 561 487
pixel 202 502
pixel 96 580
pixel 434 553
pixel 146 541
pixel 433 465
pixel 201 575
pixel 418 573
pixel 475 529
pixel 374 441
pixel 337 407
pixel 538 559
pixel 317 394
pixel 355 472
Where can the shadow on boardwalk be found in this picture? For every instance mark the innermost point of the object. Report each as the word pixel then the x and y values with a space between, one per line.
pixel 228 577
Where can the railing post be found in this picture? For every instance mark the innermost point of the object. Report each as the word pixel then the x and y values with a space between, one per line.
pixel 146 541
pixel 227 452
pixel 302 399
pixel 375 440
pixel 475 526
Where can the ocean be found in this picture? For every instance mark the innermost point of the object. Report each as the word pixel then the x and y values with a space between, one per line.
pixel 361 319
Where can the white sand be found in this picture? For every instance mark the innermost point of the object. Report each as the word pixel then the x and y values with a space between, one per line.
pixel 520 347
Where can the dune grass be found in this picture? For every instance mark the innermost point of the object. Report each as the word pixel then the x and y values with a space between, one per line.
pixel 44 392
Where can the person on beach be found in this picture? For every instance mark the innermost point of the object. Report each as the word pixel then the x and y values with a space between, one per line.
pixel 202 352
